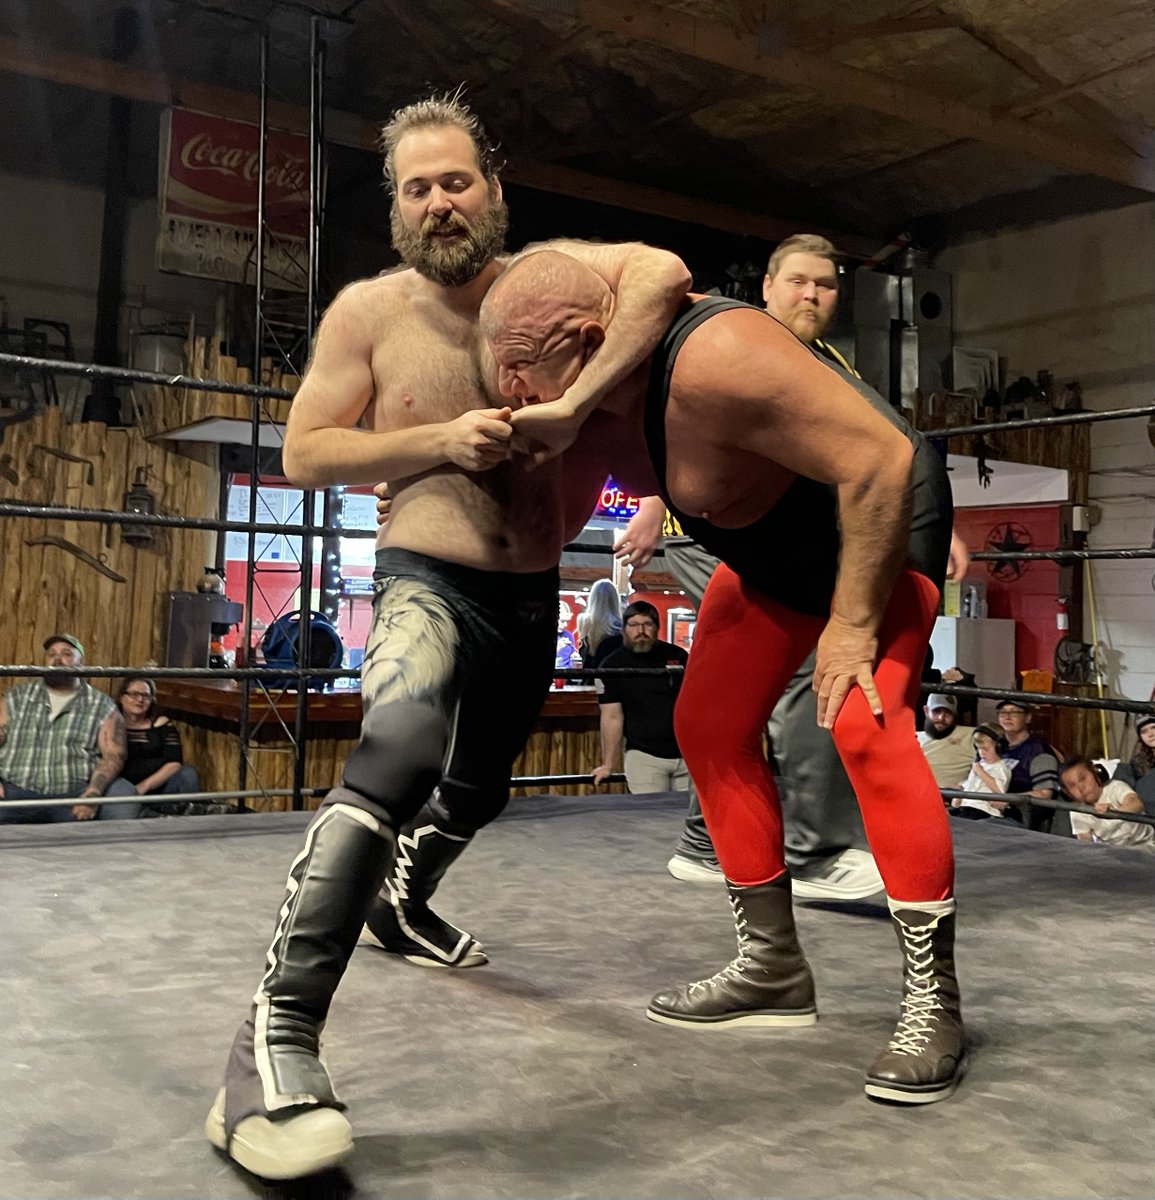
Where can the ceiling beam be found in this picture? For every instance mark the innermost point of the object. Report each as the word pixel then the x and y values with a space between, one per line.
pixel 1052 94
pixel 347 129
pixel 1125 134
pixel 740 50
pixel 551 177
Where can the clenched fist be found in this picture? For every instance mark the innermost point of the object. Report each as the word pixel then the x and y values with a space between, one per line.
pixel 479 440
pixel 384 503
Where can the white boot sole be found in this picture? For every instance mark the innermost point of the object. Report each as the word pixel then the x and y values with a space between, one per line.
pixel 689 871
pixel 756 1020
pixel 290 1149
pixel 883 1091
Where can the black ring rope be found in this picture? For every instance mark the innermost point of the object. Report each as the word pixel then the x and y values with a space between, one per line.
pixel 60 512
pixel 1026 800
pixel 1035 699
pixel 159 379
pixel 130 375
pixel 1079 418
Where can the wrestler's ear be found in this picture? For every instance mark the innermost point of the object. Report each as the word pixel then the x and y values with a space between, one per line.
pixel 767 283
pixel 495 190
pixel 591 335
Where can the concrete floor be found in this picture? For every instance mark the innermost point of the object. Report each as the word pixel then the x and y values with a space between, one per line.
pixel 130 952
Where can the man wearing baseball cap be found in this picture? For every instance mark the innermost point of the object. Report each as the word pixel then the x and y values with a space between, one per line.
pixel 61 739
pixel 947 744
pixel 1035 768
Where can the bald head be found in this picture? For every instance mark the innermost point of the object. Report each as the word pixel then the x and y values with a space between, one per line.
pixel 547 288
pixel 543 318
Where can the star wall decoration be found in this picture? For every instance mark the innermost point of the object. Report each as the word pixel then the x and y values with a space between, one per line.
pixel 1007 538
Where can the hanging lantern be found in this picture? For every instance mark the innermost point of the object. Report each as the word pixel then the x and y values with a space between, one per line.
pixel 138 499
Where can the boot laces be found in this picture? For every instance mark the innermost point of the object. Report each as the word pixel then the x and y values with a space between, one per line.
pixel 920 1002
pixel 736 968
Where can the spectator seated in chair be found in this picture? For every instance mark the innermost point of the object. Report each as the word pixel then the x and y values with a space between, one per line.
pixel 1082 784
pixel 61 739
pixel 155 764
pixel 1139 772
pixel 989 773
pixel 948 746
pixel 1035 768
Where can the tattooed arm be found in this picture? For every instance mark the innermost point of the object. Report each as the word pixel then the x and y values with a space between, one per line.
pixel 113 744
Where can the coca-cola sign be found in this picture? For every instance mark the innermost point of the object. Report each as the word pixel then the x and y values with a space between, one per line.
pixel 210 168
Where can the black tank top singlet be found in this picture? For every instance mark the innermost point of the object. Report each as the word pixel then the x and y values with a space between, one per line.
pixel 791 553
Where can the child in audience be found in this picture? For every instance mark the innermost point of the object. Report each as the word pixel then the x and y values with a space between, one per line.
pixel 989 773
pixel 1082 785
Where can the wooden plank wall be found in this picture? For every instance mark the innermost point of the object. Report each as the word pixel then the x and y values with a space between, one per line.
pixel 46 589
pixel 162 410
pixel 1065 447
pixel 570 747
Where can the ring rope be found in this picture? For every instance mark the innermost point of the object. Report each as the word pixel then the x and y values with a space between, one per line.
pixel 1078 418
pixel 56 366
pixel 1026 800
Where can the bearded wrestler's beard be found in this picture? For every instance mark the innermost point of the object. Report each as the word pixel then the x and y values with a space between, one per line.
pixel 451 263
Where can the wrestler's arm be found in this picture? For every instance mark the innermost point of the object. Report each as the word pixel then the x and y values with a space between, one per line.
pixel 641 536
pixel 649 286
pixel 324 446
pixel 758 391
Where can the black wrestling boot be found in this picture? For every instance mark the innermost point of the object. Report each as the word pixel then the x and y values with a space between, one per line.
pixel 400 920
pixel 769 983
pixel 277 1114
pixel 923 1060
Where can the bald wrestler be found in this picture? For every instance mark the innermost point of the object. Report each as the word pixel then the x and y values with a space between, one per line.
pixel 832 520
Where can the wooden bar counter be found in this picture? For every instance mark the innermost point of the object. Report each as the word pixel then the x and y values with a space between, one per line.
pixel 207 712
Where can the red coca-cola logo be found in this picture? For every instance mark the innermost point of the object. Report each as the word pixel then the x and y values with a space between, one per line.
pixel 202 153
pixel 213 169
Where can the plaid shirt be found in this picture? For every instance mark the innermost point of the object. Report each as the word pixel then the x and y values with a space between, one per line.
pixel 53 756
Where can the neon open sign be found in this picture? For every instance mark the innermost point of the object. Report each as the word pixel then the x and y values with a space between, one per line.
pixel 614 502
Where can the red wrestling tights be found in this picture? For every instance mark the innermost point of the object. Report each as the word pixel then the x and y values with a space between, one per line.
pixel 746 648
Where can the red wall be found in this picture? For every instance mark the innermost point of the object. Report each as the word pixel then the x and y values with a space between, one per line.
pixel 1031 599
pixel 277 592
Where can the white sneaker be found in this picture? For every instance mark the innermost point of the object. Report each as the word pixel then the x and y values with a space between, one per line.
pixel 851 875
pixel 695 870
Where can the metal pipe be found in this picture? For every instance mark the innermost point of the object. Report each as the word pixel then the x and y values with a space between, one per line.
pixel 1119 553
pixel 132 375
pixel 265 793
pixel 17 508
pixel 255 412
pixel 1026 800
pixel 1098 664
pixel 13 670
pixel 308 498
pixel 60 512
pixel 1080 418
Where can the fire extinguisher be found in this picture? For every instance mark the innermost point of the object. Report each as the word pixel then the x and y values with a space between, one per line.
pixel 1063 615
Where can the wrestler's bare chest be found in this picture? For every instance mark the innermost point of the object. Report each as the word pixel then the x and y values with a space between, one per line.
pixel 425 369
pixel 426 373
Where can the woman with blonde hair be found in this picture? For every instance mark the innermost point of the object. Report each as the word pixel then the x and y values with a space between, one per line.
pixel 600 626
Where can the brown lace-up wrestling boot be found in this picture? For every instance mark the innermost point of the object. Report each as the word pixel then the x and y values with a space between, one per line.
pixel 922 1063
pixel 278 1115
pixel 400 920
pixel 769 983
